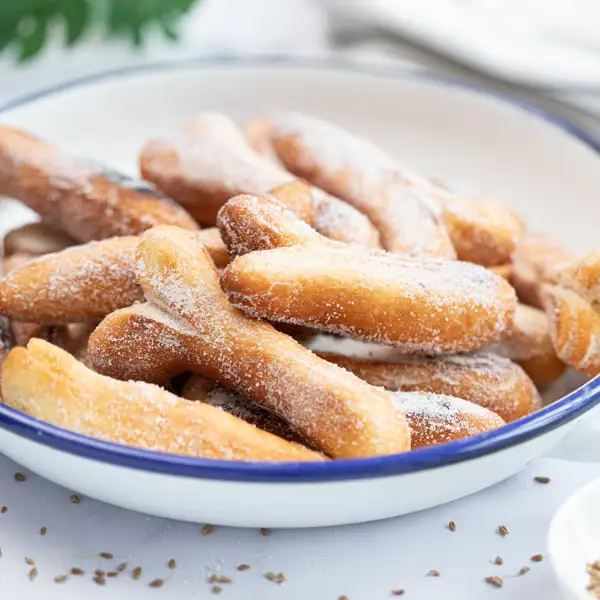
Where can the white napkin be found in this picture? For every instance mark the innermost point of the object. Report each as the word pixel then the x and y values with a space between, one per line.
pixel 547 43
pixel 362 562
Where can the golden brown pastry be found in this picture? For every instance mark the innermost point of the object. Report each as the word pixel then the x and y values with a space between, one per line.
pixel 410 212
pixel 574 328
pixel 432 418
pixel 84 282
pixel 49 384
pixel 195 329
pixel 210 161
pixel 485 379
pixel 77 284
pixel 85 200
pixel 582 276
pixel 36 239
pixel 364 176
pixel 436 419
pixel 529 344
pixel 427 307
pixel 200 389
pixel 538 260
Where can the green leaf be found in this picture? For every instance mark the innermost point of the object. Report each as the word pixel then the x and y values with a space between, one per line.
pixel 33 40
pixel 27 24
pixel 76 14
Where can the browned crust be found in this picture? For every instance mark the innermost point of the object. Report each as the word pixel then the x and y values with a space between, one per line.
pixel 82 199
pixel 49 384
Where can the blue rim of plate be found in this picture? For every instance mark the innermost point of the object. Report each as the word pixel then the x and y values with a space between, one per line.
pixel 544 421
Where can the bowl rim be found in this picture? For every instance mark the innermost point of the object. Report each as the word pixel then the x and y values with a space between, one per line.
pixel 559 413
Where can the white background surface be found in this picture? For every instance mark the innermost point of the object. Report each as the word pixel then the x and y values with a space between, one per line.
pixel 362 562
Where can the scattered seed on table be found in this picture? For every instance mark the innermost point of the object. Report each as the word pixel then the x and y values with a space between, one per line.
pixel 172 564
pixel 121 567
pixel 265 531
pixel 29 561
pixel 213 579
pixel 524 570
pixel 537 558
pixel 224 580
pixel 343 598
pixel 106 555
pixel 60 579
pixel 433 573
pixel 77 571
pixel 397 592
pixel 3 509
pixel 112 574
pixel 498 560
pixel 207 529
pixel 495 581
pixel 216 589
pixel 137 573
pixel 156 583
pixel 99 579
pixel 75 499
pixel 20 477
pixel 540 479
pixel 503 530
pixel 243 567
pixel 275 577
pixel 43 531
pixel 32 574
pixel 100 572
pixel 452 526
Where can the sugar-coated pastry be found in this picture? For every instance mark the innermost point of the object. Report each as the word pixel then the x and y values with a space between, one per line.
pixel 482 232
pixel 84 282
pixel 529 344
pixel 83 199
pixel 211 161
pixel 435 419
pixel 200 389
pixel 429 307
pixel 583 277
pixel 502 270
pixel 77 284
pixel 367 178
pixel 248 223
pixel 574 328
pixel 36 239
pixel 14 261
pixel 49 384
pixel 432 418
pixel 539 259
pixel 485 379
pixel 190 326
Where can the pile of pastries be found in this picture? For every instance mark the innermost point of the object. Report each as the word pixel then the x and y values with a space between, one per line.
pixel 209 308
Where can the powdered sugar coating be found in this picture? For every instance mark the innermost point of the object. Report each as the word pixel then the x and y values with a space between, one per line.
pixel 429 307
pixel 73 195
pixel 485 379
pixel 437 419
pixel 366 177
pixel 48 384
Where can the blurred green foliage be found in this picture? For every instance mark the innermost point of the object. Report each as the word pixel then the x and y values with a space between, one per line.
pixel 26 25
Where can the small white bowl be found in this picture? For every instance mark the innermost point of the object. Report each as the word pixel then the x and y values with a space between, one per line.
pixel 574 540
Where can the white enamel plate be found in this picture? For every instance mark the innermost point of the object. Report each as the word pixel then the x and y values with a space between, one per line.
pixel 470 139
